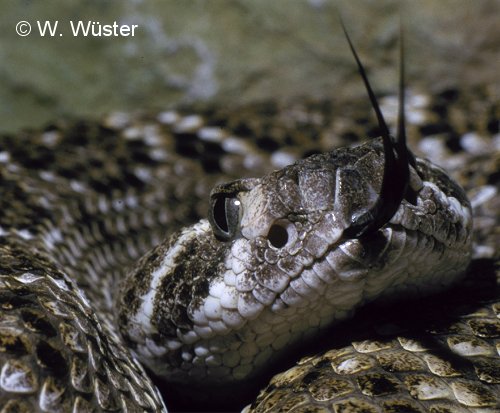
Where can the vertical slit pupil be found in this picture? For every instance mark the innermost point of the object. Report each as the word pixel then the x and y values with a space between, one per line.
pixel 220 214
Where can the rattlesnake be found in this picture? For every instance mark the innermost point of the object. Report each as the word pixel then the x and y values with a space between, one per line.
pixel 81 202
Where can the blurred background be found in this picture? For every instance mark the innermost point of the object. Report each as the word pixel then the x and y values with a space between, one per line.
pixel 232 52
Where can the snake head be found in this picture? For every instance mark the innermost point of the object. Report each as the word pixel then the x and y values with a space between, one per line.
pixel 272 253
pixel 217 300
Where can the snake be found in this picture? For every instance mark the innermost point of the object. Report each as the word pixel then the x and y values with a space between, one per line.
pixel 119 292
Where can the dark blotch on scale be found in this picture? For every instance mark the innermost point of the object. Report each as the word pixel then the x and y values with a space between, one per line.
pixel 51 359
pixel 36 322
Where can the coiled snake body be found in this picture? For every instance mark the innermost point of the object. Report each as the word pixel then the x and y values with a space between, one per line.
pixel 215 302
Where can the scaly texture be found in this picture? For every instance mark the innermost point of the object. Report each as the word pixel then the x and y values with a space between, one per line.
pixel 80 203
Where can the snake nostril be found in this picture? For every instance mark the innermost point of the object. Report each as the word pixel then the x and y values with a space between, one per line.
pixel 277 236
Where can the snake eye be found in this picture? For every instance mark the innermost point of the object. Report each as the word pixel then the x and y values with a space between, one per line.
pixel 225 212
